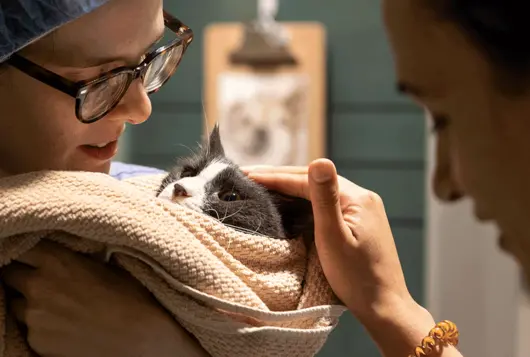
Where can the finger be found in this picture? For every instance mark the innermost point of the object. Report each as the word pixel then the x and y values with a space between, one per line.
pixel 325 199
pixel 253 168
pixel 18 308
pixel 18 277
pixel 274 169
pixel 289 184
pixel 44 254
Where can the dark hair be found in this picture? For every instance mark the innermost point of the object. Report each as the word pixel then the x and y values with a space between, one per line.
pixel 501 30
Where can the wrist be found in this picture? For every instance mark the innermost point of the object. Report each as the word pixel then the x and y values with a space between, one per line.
pixel 170 339
pixel 398 325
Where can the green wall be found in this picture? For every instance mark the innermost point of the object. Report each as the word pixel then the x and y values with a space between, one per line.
pixel 375 137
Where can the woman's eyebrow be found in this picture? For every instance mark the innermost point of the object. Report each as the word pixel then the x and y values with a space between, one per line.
pixel 94 61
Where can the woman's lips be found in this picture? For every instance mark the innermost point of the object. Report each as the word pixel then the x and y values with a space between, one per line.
pixel 103 153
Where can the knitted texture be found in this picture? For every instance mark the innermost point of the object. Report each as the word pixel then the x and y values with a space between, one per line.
pixel 239 294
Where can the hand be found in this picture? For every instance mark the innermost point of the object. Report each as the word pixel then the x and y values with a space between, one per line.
pixel 75 306
pixel 356 250
pixel 352 234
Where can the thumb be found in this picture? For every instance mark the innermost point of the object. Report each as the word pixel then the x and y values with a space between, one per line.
pixel 325 199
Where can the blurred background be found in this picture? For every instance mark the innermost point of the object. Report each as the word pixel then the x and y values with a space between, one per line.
pixel 379 140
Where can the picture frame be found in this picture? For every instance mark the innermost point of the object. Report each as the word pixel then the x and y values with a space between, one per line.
pixel 270 111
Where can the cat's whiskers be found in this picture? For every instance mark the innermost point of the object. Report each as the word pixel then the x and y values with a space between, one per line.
pixel 244 230
pixel 207 172
pixel 259 226
pixel 187 147
pixel 208 208
pixel 226 210
pixel 233 214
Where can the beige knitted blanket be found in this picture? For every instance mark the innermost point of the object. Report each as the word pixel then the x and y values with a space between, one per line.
pixel 239 294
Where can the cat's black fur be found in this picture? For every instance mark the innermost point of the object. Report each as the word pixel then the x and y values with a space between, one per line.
pixel 255 208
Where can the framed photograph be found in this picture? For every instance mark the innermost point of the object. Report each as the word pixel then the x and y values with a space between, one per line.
pixel 273 116
pixel 264 118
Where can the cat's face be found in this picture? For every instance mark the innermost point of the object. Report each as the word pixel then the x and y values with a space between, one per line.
pixel 209 182
pixel 262 125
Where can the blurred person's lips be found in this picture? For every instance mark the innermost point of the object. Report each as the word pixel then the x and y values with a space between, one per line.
pixel 481 214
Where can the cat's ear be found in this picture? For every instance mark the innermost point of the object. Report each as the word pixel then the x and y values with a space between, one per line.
pixel 215 147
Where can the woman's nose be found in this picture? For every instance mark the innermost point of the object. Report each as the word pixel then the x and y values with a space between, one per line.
pixel 135 106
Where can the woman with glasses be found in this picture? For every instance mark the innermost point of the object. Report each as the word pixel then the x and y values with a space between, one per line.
pixel 72 73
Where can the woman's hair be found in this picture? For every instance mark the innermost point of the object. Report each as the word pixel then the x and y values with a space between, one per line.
pixel 501 30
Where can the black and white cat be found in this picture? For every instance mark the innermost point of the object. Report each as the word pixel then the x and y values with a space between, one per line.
pixel 210 183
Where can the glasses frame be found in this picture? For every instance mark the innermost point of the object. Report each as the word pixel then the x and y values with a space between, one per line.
pixel 80 89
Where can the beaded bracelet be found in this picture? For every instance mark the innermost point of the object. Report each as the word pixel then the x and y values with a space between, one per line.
pixel 443 334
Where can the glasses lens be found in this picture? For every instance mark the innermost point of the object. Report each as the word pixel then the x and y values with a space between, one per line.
pixel 162 67
pixel 101 96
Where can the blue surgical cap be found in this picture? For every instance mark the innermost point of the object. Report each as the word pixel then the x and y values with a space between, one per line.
pixel 25 21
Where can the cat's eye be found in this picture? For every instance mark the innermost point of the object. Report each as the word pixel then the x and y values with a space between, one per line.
pixel 187 172
pixel 229 196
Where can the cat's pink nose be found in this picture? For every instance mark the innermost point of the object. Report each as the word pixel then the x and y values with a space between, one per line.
pixel 180 191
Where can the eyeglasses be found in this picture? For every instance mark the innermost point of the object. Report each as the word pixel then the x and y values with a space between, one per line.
pixel 96 97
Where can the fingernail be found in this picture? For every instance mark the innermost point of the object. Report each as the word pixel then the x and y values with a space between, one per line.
pixel 320 174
